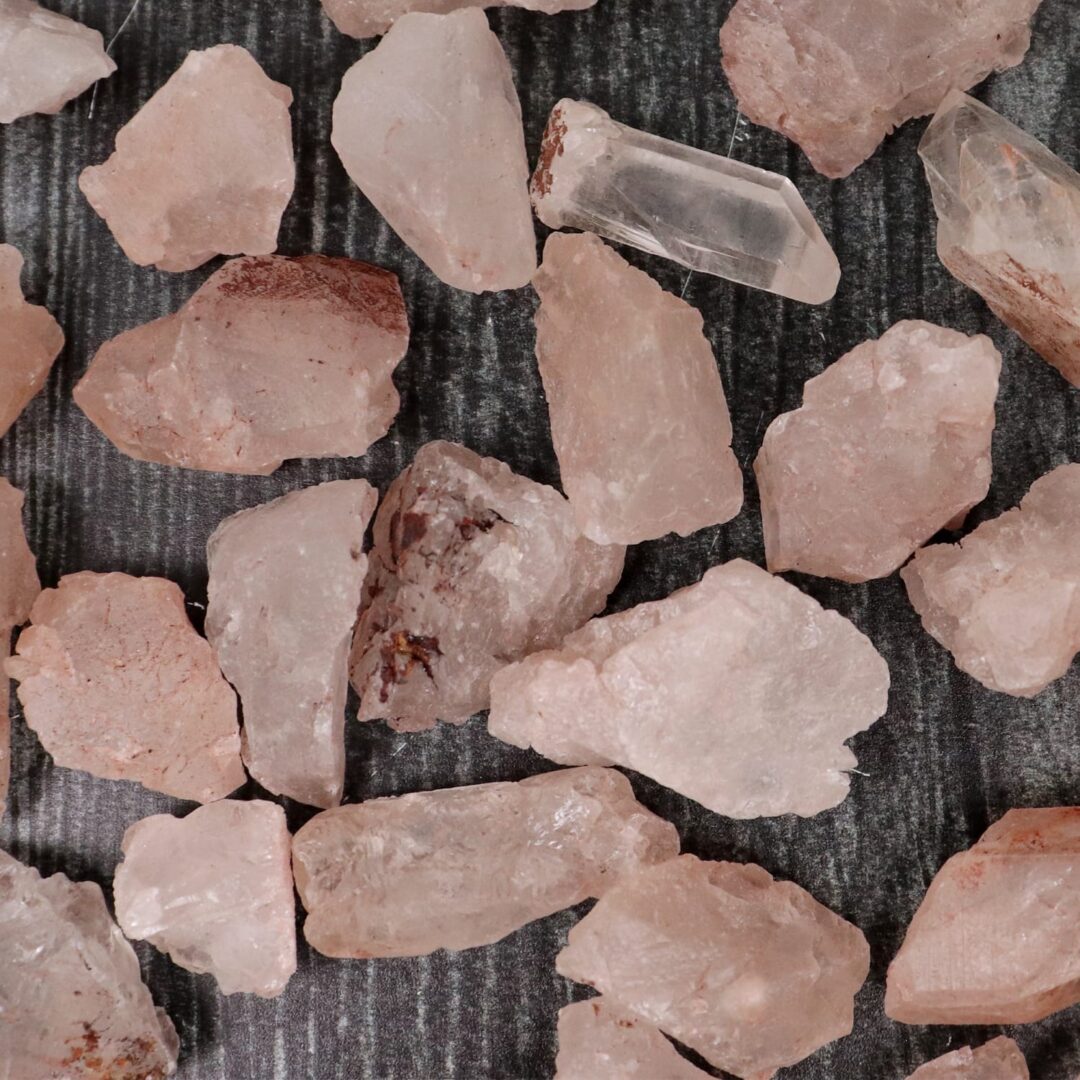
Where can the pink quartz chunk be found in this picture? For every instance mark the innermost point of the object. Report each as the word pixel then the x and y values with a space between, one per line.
pixel 462 867
pixel 837 76
pixel 75 1006
pixel 472 567
pixel 892 443
pixel 754 974
pixel 367 18
pixel 115 680
pixel 272 358
pixel 999 1059
pixel 214 890
pixel 428 125
pixel 1003 600
pixel 638 414
pixel 993 941
pixel 204 168
pixel 738 692
pixel 285 583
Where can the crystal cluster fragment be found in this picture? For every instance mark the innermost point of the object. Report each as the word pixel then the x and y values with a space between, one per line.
pixel 367 18
pixel 999 1059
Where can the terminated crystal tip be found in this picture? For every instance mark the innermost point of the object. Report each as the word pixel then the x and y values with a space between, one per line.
pixel 704 211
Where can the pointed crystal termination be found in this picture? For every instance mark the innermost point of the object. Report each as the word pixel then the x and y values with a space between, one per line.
pixel 706 212
pixel 1009 224
pixel 999 1059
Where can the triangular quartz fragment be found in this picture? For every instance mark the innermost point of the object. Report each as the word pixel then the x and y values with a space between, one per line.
pixel 999 1059
pixel 366 18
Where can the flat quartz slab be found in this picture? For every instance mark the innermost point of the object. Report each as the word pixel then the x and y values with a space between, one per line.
pixel 367 18
pixel 998 1059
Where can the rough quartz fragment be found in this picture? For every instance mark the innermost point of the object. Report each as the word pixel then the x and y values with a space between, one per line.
pixel 706 212
pixel 272 358
pixel 74 1004
pixel 115 680
pixel 285 584
pixel 204 168
pixel 754 974
pixel 472 567
pixel 892 443
pixel 1003 600
pixel 428 125
pixel 214 890
pixel 837 76
pixel 1008 218
pixel 462 867
pixel 366 18
pixel 999 1059
pixel 737 692
pixel 993 941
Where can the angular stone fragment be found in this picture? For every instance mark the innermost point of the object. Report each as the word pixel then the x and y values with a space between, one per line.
pixel 892 443
pixel 1003 600
pixel 115 680
pixel 74 1004
pixel 428 125
pixel 999 1059
pixel 706 212
pixel 285 585
pixel 1008 220
pixel 462 867
pixel 272 358
pixel 472 567
pixel 754 974
pixel 738 692
pixel 214 890
pixel 366 18
pixel 837 76
pixel 994 940
pixel 204 168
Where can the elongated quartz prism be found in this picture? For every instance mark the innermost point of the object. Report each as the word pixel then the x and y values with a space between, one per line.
pixel 704 211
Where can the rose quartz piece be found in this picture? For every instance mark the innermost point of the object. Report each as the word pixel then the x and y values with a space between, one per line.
pixel 638 414
pixel 1003 600
pixel 466 866
pixel 892 443
pixel 993 941
pixel 75 1007
pixel 214 890
pixel 285 583
pixel 115 680
pixel 204 168
pixel 738 692
pixel 999 1059
pixel 837 76
pixel 428 125
pixel 366 18
pixel 752 973
pixel 272 358
pixel 472 567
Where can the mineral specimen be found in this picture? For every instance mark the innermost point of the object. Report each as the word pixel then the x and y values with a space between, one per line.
pixel 706 212
pixel 737 692
pixel 204 168
pixel 272 358
pixel 214 890
pixel 1008 217
pixel 1003 600
pixel 999 1059
pixel 115 681
pixel 428 126
pixel 837 76
pixel 285 582
pixel 366 18
pixel 466 866
pixel 892 443
pixel 74 1005
pixel 754 974
pixel 472 567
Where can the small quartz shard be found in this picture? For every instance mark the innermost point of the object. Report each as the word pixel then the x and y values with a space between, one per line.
pixel 214 890
pixel 115 680
pixel 892 444
pixel 706 212
pixel 472 567
pixel 428 125
pixel 752 973
pixel 999 1059
pixel 993 941
pixel 462 867
pixel 367 18
pixel 837 76
pixel 1003 600
pixel 272 358
pixel 204 168
pixel 738 692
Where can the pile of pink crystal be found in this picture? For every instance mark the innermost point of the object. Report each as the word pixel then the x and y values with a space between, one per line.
pixel 999 1059
pixel 367 18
